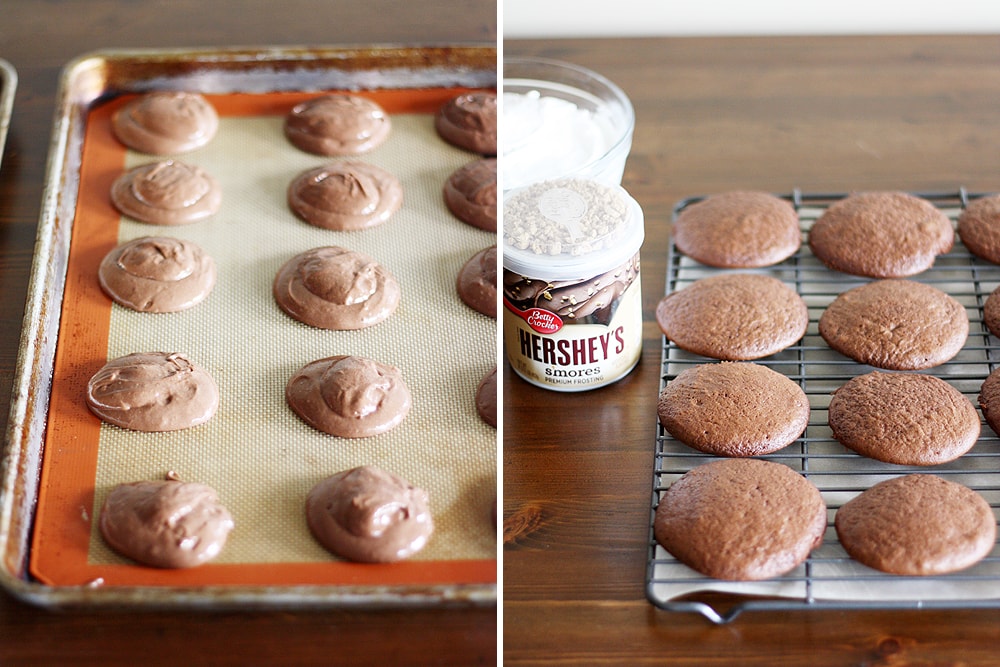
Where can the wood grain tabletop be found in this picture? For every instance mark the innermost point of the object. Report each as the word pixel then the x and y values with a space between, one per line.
pixel 39 38
pixel 821 114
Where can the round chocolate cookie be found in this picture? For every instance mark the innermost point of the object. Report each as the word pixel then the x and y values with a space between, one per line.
pixel 917 525
pixel 166 123
pixel 903 418
pixel 741 519
pixel 735 316
pixel 469 121
pixel 989 400
pixel 335 288
pixel 157 274
pixel 991 312
pixel 349 396
pixel 339 124
pixel 733 409
pixel 486 398
pixel 169 192
pixel 471 193
pixel 477 282
pixel 895 325
pixel 345 196
pixel 881 235
pixel 979 228
pixel 738 230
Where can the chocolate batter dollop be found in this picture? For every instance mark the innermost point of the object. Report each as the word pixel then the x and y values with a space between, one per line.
pixel 169 192
pixel 369 515
pixel 349 396
pixel 471 193
pixel 153 391
pixel 166 523
pixel 486 398
pixel 469 121
pixel 334 288
pixel 157 274
pixel 345 196
pixel 166 123
pixel 339 124
pixel 477 282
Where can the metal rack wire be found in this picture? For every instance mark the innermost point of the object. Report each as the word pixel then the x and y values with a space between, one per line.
pixel 830 579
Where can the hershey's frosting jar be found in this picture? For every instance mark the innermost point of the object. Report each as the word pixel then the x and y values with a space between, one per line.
pixel 572 317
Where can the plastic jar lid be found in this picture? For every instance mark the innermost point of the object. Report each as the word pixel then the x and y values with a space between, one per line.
pixel 569 228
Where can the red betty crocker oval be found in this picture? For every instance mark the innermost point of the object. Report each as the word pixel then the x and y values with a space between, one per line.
pixel 541 320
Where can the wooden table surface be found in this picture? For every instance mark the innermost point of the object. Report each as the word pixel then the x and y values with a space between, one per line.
pixel 819 114
pixel 38 37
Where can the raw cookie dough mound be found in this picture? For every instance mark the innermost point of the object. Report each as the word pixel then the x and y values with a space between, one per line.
pixel 740 519
pixel 369 515
pixel 157 274
pixel 734 316
pixel 895 325
pixel 471 193
pixel 903 418
pixel 469 121
pixel 979 228
pixel 340 124
pixel 167 193
pixel 486 398
pixel 917 525
pixel 166 523
pixel 477 282
pixel 345 196
pixel 166 123
pixel 153 391
pixel 991 312
pixel 738 230
pixel 989 400
pixel 335 288
pixel 881 235
pixel 349 396
pixel 733 409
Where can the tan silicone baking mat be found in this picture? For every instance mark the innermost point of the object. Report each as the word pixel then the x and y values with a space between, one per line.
pixel 255 452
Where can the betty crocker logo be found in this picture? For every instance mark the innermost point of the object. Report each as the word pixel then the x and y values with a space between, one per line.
pixel 541 320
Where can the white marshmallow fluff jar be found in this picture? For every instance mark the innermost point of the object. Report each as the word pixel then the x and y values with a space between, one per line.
pixel 562 120
pixel 572 305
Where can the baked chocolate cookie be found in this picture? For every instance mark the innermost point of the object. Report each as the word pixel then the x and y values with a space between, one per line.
pixel 733 316
pixel 903 418
pixel 991 312
pixel 979 228
pixel 917 525
pixel 733 409
pixel 989 400
pixel 881 235
pixel 738 230
pixel 740 519
pixel 895 325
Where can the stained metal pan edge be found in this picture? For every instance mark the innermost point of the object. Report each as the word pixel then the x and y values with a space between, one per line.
pixel 83 82
pixel 8 86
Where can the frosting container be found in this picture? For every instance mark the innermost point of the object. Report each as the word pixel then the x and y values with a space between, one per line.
pixel 562 120
pixel 572 317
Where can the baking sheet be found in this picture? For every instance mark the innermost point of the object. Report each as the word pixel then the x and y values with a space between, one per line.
pixel 829 578
pixel 8 86
pixel 256 453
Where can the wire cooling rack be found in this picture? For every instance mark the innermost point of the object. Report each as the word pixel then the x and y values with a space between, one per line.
pixel 829 578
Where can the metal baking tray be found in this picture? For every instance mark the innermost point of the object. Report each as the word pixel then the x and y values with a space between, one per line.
pixel 96 82
pixel 829 579
pixel 8 86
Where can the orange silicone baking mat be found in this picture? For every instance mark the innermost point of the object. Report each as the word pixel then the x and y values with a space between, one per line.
pixel 259 457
